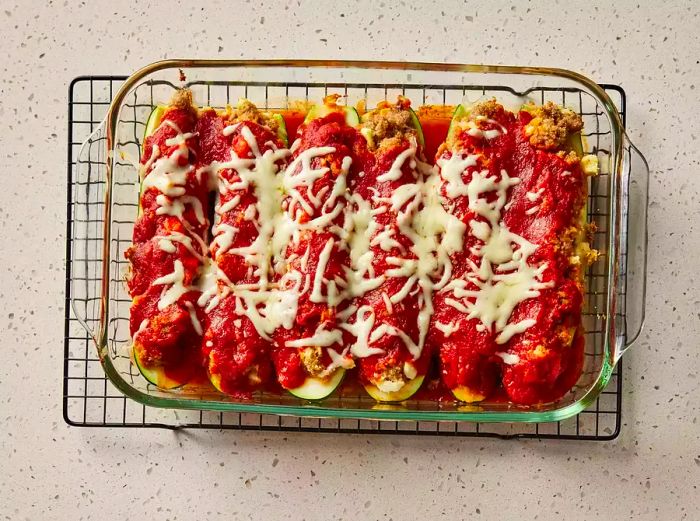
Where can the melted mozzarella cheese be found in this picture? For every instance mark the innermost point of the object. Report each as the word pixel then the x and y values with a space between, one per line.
pixel 509 358
pixel 321 337
pixel 361 329
pixel 434 235
pixel 193 318
pixel 168 176
pixel 446 329
pixel 502 276
pixel 394 173
pixel 176 206
pixel 165 242
pixel 177 288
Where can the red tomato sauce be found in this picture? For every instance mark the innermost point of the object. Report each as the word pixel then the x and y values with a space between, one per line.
pixel 312 316
pixel 233 350
pixel 166 338
pixel 434 134
pixel 469 357
pixel 402 315
pixel 231 346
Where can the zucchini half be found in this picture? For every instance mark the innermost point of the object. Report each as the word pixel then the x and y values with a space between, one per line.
pixel 574 142
pixel 315 388
pixel 409 389
pixel 352 118
pixel 415 124
pixel 281 129
pixel 157 375
pixel 154 375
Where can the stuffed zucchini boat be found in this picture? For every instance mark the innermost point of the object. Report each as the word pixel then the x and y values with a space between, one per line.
pixel 513 307
pixel 548 209
pixel 390 304
pixel 311 351
pixel 169 246
pixel 243 150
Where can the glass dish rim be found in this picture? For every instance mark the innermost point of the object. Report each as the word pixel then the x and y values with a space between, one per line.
pixel 319 410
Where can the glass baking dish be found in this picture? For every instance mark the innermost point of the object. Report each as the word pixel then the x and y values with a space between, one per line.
pixel 615 285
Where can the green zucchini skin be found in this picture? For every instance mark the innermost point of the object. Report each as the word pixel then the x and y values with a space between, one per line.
pixel 408 390
pixel 154 120
pixel 316 388
pixel 156 375
pixel 419 128
pixel 459 113
pixel 352 118
pixel 281 129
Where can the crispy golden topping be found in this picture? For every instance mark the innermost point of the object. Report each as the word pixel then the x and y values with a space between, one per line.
pixel 391 374
pixel 473 118
pixel 566 335
pixel 332 101
pixel 538 352
pixel 551 125
pixel 182 99
pixel 585 255
pixel 590 229
pixel 246 110
pixel 489 108
pixel 389 124
pixel 570 156
pixel 300 105
pixel 311 358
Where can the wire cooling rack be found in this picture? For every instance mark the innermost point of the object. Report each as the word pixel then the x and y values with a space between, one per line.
pixel 90 400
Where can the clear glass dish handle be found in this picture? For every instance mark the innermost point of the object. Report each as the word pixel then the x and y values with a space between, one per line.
pixel 87 213
pixel 632 253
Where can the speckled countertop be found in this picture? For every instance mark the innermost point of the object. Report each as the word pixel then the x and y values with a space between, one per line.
pixel 51 471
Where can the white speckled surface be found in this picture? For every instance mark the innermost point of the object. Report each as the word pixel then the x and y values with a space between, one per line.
pixel 50 471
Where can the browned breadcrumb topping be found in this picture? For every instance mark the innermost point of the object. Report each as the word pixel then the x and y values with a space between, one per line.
pixel 300 105
pixel 565 240
pixel 311 358
pixel 182 99
pixel 551 125
pixel 589 254
pixel 590 230
pixel 566 335
pixel 390 124
pixel 246 110
pixel 570 157
pixel 391 374
pixel 488 108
